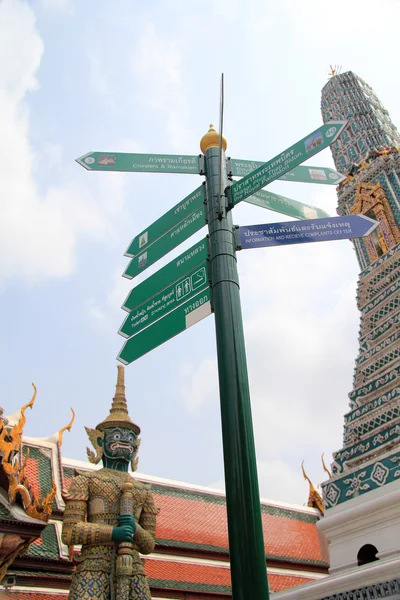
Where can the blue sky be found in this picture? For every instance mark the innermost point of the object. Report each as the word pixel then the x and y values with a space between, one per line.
pixel 144 77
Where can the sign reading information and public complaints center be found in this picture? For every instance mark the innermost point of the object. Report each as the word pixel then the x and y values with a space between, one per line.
pixel 313 230
pixel 285 161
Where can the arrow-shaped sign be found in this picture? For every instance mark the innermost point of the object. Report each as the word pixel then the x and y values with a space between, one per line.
pixel 302 174
pixel 175 215
pixel 170 240
pixel 174 270
pixel 141 163
pixel 183 317
pixel 165 301
pixel 285 206
pixel 313 230
pixel 285 161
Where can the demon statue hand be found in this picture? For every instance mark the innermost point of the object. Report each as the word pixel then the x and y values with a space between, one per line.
pixel 109 514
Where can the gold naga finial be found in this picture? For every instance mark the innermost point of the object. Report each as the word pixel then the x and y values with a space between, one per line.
pixel 66 428
pixel 334 71
pixel 325 467
pixel 14 433
pixel 31 402
pixel 14 465
pixel 314 498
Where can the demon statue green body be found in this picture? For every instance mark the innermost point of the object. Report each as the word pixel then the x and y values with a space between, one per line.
pixel 109 514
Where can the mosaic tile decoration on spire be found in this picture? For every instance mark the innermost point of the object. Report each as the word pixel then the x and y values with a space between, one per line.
pixel 368 152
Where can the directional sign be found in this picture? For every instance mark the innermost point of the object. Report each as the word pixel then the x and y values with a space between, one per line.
pixel 164 302
pixel 171 218
pixel 284 205
pixel 166 243
pixel 285 161
pixel 182 318
pixel 314 230
pixel 180 266
pixel 142 163
pixel 303 174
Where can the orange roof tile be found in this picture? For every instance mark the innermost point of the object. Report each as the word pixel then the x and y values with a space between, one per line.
pixel 205 523
pixel 169 573
pixel 278 583
pixel 187 572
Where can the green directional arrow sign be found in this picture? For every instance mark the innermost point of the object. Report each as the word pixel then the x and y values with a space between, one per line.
pixel 164 302
pixel 166 243
pixel 303 174
pixel 285 161
pixel 285 206
pixel 142 163
pixel 176 269
pixel 175 322
pixel 171 218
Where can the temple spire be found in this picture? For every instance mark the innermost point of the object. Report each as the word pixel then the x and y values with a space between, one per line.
pixel 119 416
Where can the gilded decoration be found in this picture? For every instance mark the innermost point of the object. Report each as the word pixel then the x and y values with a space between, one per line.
pixel 325 468
pixel 14 466
pixel 371 201
pixel 110 514
pixel 314 498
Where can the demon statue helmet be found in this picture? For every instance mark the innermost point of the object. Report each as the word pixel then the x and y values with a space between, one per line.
pixel 115 439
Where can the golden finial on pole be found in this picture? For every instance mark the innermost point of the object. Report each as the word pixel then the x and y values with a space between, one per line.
pixel 211 140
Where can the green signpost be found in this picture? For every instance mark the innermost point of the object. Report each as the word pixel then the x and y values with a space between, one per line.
pixel 187 314
pixel 285 161
pixel 166 243
pixel 177 268
pixel 141 163
pixel 285 206
pixel 302 174
pixel 202 280
pixel 176 215
pixel 165 301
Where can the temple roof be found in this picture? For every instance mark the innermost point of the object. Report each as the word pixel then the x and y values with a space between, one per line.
pixel 191 555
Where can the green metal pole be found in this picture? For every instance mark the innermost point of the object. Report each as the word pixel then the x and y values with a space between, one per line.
pixel 246 541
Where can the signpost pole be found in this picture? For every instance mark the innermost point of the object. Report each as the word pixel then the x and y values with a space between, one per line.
pixel 246 543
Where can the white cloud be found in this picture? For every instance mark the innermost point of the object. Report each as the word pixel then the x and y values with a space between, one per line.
pixel 61 6
pixel 157 66
pixel 18 67
pixel 108 311
pixel 277 481
pixel 200 385
pixel 38 230
pixel 98 77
